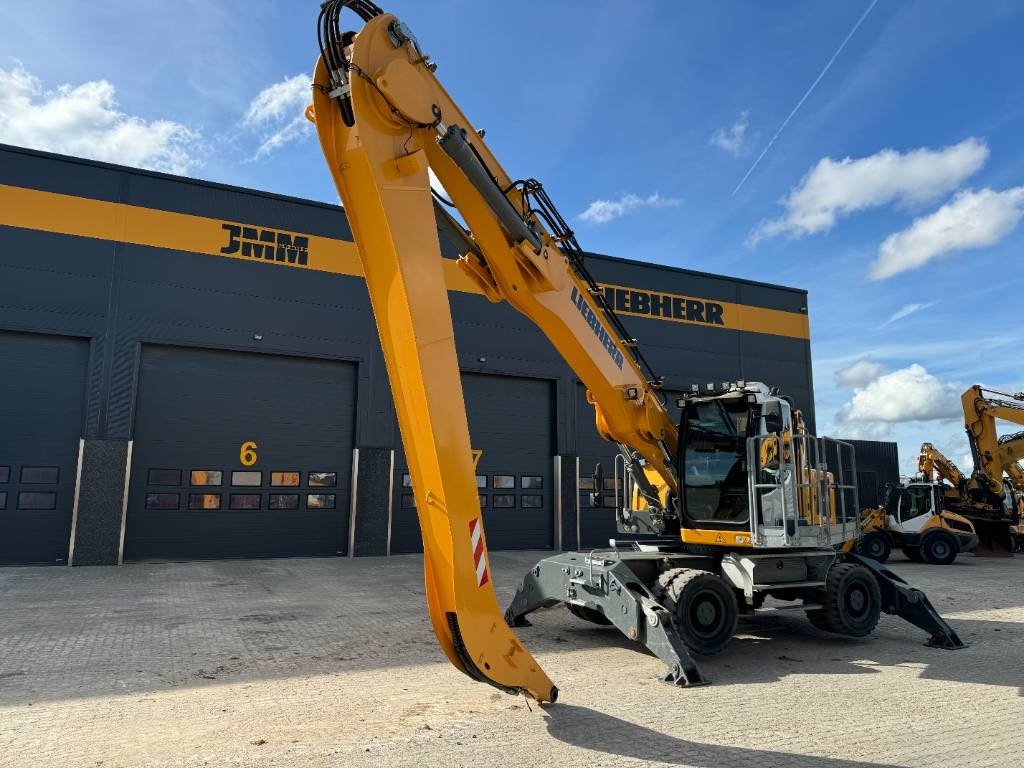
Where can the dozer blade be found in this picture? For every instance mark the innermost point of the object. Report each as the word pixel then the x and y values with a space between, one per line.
pixel 381 176
pixel 995 537
pixel 605 587
pixel 910 604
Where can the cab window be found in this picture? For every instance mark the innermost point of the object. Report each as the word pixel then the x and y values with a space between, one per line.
pixel 714 460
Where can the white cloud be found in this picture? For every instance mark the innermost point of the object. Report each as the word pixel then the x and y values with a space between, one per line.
pixel 277 113
pixel 908 394
pixel 859 374
pixel 733 139
pixel 906 311
pixel 603 211
pixel 836 188
pixel 83 120
pixel 970 220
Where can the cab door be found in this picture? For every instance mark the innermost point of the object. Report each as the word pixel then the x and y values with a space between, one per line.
pixel 916 507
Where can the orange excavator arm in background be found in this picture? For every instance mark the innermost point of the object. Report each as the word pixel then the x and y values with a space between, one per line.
pixel 935 467
pixel 383 119
pixel 982 408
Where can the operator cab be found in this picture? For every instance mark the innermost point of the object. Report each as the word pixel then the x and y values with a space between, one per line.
pixel 910 506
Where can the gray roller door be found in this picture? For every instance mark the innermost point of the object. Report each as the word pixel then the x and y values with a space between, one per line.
pixel 192 493
pixel 511 419
pixel 42 399
pixel 598 525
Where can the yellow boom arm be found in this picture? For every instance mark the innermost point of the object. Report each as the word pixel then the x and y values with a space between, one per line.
pixel 982 407
pixel 383 119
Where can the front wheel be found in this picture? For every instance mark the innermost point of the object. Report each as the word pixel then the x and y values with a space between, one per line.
pixel 875 545
pixel 852 604
pixel 939 548
pixel 703 607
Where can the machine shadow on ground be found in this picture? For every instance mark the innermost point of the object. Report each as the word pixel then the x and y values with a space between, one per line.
pixel 587 728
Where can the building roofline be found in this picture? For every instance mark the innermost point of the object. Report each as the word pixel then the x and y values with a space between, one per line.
pixel 335 207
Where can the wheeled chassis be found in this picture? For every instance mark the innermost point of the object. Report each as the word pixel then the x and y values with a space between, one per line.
pixel 620 584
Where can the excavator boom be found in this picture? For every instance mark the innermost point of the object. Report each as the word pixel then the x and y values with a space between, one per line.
pixel 383 119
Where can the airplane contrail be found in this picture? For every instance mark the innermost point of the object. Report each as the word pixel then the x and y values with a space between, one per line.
pixel 806 94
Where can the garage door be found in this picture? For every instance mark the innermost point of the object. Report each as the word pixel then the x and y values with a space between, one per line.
pixel 511 420
pixel 240 455
pixel 42 397
pixel 598 525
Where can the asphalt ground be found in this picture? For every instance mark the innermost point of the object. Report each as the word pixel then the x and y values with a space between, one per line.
pixel 331 662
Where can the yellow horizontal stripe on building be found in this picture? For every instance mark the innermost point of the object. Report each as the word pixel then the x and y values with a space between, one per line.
pixel 678 308
pixel 120 222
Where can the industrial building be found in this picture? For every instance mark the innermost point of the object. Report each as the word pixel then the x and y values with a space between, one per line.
pixel 191 370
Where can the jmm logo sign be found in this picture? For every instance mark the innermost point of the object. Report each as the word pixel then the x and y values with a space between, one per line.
pixel 267 244
pixel 596 326
pixel 666 306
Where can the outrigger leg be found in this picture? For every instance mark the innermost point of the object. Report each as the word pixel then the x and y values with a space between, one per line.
pixel 910 604
pixel 606 587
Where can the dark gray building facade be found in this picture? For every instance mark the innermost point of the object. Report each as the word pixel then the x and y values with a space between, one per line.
pixel 190 370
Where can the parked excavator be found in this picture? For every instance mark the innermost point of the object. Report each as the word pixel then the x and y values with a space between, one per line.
pixel 990 499
pixel 730 506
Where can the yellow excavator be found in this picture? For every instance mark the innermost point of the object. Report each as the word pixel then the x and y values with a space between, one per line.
pixel 992 501
pixel 1015 477
pixel 730 506
pixel 915 516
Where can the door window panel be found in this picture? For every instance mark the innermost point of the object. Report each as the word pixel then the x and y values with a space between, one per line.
pixel 5 474
pixel 163 477
pixel 503 481
pixel 503 501
pixel 247 478
pixel 531 501
pixel 162 500
pixel 284 501
pixel 531 482
pixel 3 499
pixel 206 477
pixel 285 478
pixel 39 475
pixel 323 479
pixel 320 501
pixel 204 501
pixel 245 501
pixel 37 500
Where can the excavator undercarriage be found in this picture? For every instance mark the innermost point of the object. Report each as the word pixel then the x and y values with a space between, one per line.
pixel 634 587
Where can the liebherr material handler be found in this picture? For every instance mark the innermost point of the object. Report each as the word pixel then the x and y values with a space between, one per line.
pixel 740 501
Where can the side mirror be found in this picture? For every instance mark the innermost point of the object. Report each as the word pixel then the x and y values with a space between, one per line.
pixel 773 416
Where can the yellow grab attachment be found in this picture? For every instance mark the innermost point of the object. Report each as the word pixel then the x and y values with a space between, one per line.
pixel 381 174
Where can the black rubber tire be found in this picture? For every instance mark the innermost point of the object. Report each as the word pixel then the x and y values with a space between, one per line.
pixel 819 620
pixel 853 601
pixel 703 607
pixel 588 614
pixel 939 548
pixel 913 553
pixel 875 545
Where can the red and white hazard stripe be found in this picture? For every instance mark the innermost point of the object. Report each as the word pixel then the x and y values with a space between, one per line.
pixel 476 541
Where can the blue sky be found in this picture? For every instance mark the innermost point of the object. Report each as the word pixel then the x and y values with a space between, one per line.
pixel 893 194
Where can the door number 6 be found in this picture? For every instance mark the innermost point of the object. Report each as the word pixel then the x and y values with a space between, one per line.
pixel 247 453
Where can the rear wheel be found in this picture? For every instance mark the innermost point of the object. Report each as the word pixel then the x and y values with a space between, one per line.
pixel 914 553
pixel 588 614
pixel 852 601
pixel 939 548
pixel 703 607
pixel 875 545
